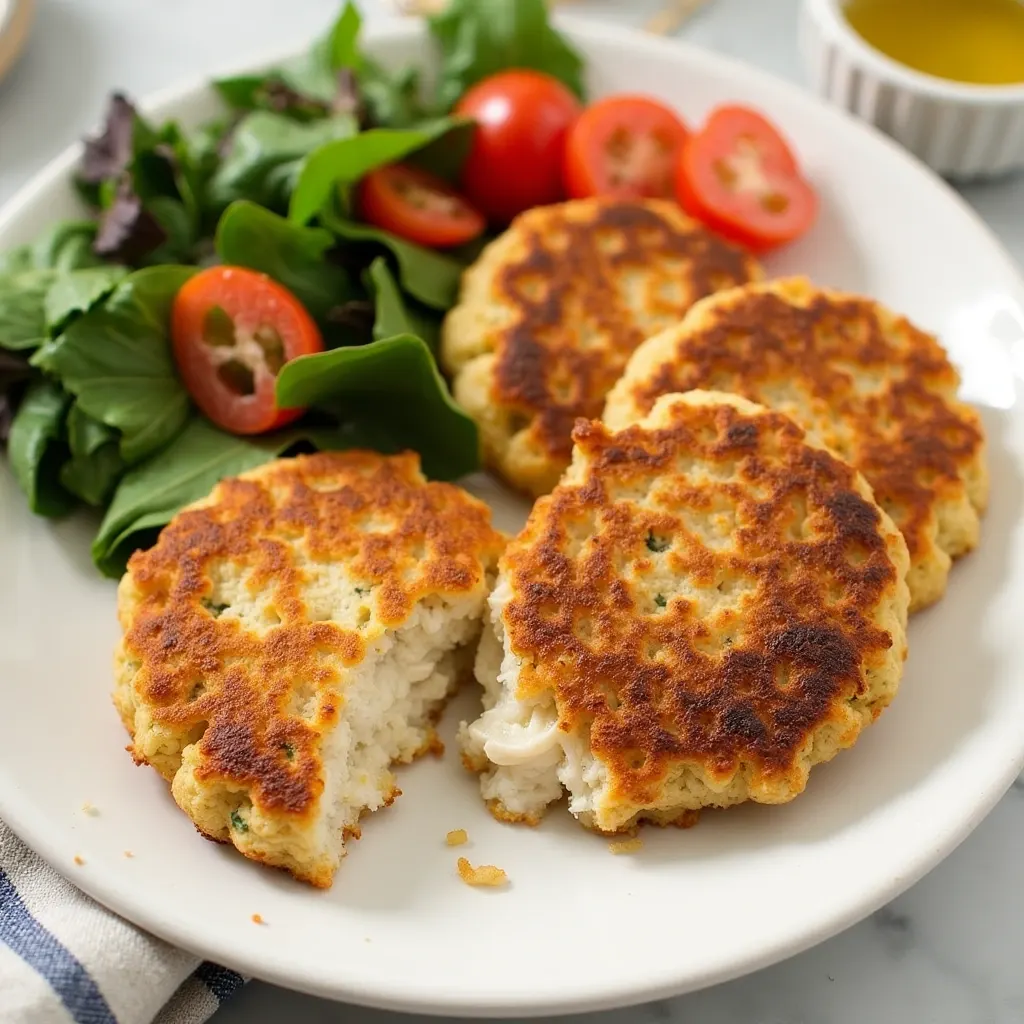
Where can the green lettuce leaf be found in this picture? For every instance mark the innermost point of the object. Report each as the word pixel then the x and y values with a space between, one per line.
pixel 267 155
pixel 78 291
pixel 151 494
pixel 36 448
pixel 22 315
pixel 95 465
pixel 480 37
pixel 116 360
pixel 66 246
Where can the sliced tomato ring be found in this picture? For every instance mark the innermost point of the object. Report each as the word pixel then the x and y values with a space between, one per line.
pixel 419 207
pixel 739 176
pixel 624 146
pixel 232 329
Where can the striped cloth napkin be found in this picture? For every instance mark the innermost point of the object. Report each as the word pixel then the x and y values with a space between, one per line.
pixel 63 958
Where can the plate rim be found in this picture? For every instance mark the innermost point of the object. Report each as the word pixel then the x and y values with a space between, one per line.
pixel 26 820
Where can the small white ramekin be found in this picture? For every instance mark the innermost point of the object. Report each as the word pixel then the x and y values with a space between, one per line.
pixel 962 131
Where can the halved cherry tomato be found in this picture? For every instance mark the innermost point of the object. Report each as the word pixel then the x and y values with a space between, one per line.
pixel 232 330
pixel 522 118
pixel 418 206
pixel 738 176
pixel 624 146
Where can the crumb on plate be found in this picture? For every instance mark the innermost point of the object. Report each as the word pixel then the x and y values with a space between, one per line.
pixel 486 874
pixel 626 845
pixel 456 837
pixel 90 810
pixel 129 854
pixel 79 860
pixel 257 919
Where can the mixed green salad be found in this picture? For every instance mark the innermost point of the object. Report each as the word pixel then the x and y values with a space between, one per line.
pixel 94 407
pixel 276 280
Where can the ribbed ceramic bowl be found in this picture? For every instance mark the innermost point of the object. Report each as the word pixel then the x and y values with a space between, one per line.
pixel 962 131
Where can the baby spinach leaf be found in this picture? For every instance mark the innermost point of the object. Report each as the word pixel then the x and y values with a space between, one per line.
pixel 95 465
pixel 394 386
pixel 117 362
pixel 479 37
pixel 22 318
pixel 428 276
pixel 266 157
pixel 250 236
pixel 393 313
pixel 390 318
pixel 151 494
pixel 36 448
pixel 344 162
pixel 77 292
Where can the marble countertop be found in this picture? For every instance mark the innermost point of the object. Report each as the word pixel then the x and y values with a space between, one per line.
pixel 946 952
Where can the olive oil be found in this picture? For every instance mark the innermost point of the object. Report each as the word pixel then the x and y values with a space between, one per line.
pixel 976 41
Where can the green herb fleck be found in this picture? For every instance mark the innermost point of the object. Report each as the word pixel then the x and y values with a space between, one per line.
pixel 238 822
pixel 362 591
pixel 660 600
pixel 289 751
pixel 216 610
pixel 658 544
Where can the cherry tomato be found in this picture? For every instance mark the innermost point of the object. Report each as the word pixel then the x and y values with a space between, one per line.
pixel 624 146
pixel 418 206
pixel 515 163
pixel 738 176
pixel 232 330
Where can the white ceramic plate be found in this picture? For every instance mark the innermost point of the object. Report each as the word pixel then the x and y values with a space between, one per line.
pixel 578 928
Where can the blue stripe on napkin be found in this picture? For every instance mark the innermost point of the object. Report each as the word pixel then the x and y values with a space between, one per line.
pixel 49 958
pixel 219 980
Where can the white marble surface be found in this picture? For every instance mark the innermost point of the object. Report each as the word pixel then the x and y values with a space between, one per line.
pixel 949 950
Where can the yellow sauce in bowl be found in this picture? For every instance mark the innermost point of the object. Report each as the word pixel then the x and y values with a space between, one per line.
pixel 976 41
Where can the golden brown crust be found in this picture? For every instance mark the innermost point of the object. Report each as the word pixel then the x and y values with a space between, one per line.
pixel 239 692
pixel 708 591
pixel 867 383
pixel 581 285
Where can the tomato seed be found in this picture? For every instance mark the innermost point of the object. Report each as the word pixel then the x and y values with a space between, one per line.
pixel 237 377
pixel 218 328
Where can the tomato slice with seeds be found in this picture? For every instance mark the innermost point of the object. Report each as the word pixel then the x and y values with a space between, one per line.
pixel 624 146
pixel 739 176
pixel 418 206
pixel 232 329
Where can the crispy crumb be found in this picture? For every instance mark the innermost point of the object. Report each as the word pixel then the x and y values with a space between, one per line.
pixel 456 837
pixel 626 845
pixel 257 919
pixel 87 808
pixel 79 860
pixel 486 874
pixel 129 854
